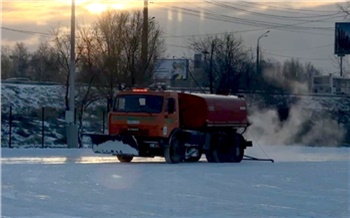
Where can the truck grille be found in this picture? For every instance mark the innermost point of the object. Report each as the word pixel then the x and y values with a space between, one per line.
pixel 134 131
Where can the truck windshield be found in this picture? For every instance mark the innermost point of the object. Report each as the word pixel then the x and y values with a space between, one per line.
pixel 139 103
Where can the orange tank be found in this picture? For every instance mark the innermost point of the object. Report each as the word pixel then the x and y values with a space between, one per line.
pixel 198 111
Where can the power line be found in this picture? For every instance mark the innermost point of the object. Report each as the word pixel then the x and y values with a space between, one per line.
pixel 303 49
pixel 274 16
pixel 249 30
pixel 225 5
pixel 213 34
pixel 307 58
pixel 26 31
pixel 288 9
pixel 178 46
pixel 244 21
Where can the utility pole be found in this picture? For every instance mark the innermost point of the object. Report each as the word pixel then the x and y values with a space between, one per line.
pixel 341 64
pixel 72 131
pixel 258 52
pixel 205 68
pixel 211 80
pixel 144 45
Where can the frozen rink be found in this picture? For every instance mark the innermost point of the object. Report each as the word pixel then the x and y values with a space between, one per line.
pixel 303 182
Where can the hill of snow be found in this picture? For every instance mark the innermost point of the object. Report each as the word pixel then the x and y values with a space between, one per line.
pixel 310 120
pixel 26 97
pixel 27 102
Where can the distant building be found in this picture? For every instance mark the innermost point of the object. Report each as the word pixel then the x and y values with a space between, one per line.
pixel 331 84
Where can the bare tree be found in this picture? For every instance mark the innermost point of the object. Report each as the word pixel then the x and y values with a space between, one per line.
pixel 90 65
pixel 109 34
pixel 61 45
pixel 228 59
pixel 117 35
pixel 44 64
pixel 132 45
pixel 293 70
pixel 345 8
pixel 345 65
pixel 20 57
pixel 7 67
pixel 291 76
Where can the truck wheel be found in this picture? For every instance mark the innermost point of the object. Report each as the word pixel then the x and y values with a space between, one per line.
pixel 218 152
pixel 209 154
pixel 125 158
pixel 221 153
pixel 174 152
pixel 237 155
pixel 237 149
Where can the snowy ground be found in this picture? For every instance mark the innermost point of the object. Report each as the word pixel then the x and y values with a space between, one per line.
pixel 303 182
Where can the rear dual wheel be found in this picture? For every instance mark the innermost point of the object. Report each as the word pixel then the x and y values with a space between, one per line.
pixel 219 149
pixel 237 151
pixel 224 148
pixel 211 153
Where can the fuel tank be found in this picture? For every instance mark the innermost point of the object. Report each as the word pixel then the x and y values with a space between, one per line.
pixel 198 111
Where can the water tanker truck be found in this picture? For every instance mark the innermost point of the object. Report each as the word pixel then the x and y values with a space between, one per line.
pixel 178 126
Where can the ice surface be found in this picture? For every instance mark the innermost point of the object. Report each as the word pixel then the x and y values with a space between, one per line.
pixel 304 182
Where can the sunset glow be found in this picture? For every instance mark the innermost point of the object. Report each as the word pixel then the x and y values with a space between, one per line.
pixel 294 25
pixel 96 7
pixel 118 6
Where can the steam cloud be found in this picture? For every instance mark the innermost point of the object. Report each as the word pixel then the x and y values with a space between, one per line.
pixel 301 127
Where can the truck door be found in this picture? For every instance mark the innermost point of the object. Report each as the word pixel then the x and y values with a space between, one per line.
pixel 171 116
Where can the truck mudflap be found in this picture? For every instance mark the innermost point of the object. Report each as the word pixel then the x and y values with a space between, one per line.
pixel 117 145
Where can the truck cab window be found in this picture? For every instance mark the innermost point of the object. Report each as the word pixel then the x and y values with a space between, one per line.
pixel 119 103
pixel 171 106
pixel 139 103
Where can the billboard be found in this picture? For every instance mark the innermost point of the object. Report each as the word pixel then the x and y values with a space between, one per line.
pixel 342 38
pixel 171 69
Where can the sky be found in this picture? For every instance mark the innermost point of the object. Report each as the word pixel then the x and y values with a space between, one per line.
pixel 73 183
pixel 298 29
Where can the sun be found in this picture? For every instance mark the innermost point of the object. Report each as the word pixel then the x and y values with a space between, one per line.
pixel 96 7
pixel 77 2
pixel 100 7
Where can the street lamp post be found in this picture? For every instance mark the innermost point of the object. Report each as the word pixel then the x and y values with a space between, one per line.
pixel 205 53
pixel 211 79
pixel 144 45
pixel 258 51
pixel 72 131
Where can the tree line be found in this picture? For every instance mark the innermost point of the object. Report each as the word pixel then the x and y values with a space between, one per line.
pixel 108 52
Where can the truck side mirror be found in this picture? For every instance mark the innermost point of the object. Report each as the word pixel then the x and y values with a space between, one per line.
pixel 171 106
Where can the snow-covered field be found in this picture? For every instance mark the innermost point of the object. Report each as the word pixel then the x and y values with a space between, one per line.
pixel 303 182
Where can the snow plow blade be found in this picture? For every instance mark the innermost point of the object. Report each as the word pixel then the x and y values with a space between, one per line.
pixel 117 145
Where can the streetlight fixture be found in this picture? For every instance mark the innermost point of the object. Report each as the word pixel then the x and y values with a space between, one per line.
pixel 258 51
pixel 72 130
